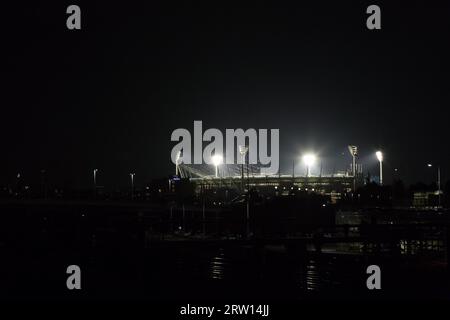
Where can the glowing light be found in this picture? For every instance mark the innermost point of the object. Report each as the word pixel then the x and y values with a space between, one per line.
pixel 243 150
pixel 217 159
pixel 379 155
pixel 309 159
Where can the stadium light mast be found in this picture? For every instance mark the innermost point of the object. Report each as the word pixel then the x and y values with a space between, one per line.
pixel 243 151
pixel 217 160
pixel 309 160
pixel 132 185
pixel 438 182
pixel 177 160
pixel 354 152
pixel 379 155
pixel 95 182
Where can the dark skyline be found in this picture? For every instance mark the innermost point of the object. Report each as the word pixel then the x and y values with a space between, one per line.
pixel 109 96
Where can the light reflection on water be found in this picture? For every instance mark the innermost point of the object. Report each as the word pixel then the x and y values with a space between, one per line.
pixel 312 276
pixel 305 275
pixel 217 266
pixel 251 271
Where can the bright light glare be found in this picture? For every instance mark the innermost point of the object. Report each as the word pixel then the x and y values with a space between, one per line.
pixel 309 159
pixel 430 165
pixel 217 159
pixel 379 155
pixel 243 150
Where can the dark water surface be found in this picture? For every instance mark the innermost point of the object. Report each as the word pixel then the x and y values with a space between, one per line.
pixel 37 244
pixel 213 273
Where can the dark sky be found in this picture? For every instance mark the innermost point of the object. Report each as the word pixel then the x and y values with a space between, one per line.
pixel 109 96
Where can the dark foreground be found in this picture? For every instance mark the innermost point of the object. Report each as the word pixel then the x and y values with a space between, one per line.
pixel 120 259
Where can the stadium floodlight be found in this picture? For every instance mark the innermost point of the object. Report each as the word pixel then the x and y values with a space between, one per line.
pixel 379 155
pixel 177 162
pixel 95 178
pixel 217 160
pixel 132 184
pixel 309 160
pixel 438 181
pixel 95 182
pixel 243 151
pixel 354 152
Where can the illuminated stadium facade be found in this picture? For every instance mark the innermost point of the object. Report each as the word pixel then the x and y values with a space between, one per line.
pixel 247 177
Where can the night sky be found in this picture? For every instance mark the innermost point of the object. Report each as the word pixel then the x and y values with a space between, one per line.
pixel 109 95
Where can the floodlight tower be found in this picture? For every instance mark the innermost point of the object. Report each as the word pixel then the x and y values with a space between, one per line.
pixel 217 160
pixel 243 151
pixel 438 182
pixel 177 161
pixel 379 155
pixel 132 185
pixel 354 152
pixel 309 160
pixel 95 182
